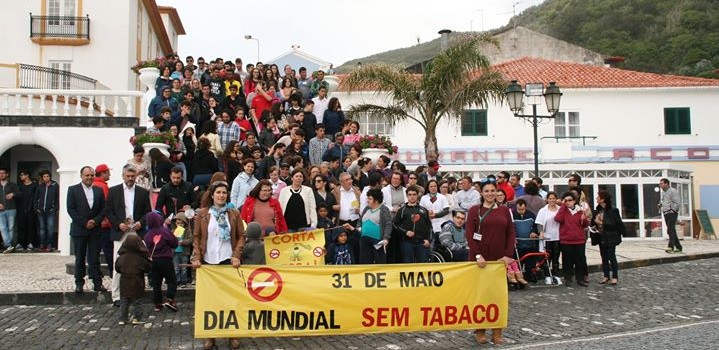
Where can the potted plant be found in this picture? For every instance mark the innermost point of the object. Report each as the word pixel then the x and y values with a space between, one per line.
pixel 375 145
pixel 162 141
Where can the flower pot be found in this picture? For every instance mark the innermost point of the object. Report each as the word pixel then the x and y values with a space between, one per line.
pixel 374 153
pixel 148 76
pixel 332 82
pixel 165 149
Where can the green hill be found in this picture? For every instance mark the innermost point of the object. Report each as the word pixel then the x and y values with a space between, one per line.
pixel 662 36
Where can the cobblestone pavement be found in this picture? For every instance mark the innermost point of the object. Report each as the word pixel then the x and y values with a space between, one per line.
pixel 45 272
pixel 670 295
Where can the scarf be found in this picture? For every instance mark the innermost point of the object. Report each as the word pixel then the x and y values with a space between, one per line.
pixel 432 197
pixel 221 217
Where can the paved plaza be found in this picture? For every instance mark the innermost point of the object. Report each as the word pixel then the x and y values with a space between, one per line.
pixel 650 303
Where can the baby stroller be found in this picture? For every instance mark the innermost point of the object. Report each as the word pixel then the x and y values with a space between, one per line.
pixel 535 263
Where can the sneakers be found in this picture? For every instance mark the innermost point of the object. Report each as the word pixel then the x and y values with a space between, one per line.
pixel 9 250
pixel 558 280
pixel 158 307
pixel 669 250
pixel 547 280
pixel 677 250
pixel 30 248
pixel 170 304
pixel 19 248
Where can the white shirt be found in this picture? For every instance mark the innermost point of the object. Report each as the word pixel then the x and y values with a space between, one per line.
pixel 439 204
pixel 89 195
pixel 129 193
pixel 545 217
pixel 217 250
pixel 348 212
pixel 320 107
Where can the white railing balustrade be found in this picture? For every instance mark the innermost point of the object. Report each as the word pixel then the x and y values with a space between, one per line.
pixel 51 102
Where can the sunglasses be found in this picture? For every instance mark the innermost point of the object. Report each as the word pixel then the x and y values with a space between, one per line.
pixel 486 180
pixel 412 178
pixel 569 200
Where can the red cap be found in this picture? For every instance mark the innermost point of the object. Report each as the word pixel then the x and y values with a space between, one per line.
pixel 101 168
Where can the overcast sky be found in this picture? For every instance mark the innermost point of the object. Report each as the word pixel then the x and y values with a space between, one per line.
pixel 334 30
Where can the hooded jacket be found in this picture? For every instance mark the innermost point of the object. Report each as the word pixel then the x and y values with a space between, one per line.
pixel 132 263
pixel 164 248
pixel 254 251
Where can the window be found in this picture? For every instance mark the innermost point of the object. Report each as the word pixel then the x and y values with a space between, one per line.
pixel 566 124
pixel 374 126
pixel 474 122
pixel 58 9
pixel 677 121
pixel 60 77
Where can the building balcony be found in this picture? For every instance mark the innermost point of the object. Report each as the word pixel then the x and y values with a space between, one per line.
pixel 60 30
pixel 37 77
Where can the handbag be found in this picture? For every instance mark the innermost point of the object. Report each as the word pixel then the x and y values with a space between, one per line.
pixel 595 237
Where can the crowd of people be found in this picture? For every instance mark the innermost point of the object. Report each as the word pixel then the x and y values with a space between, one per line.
pixel 262 152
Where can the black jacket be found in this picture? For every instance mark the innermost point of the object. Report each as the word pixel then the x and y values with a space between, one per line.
pixel 115 209
pixel 204 162
pixel 172 198
pixel 81 213
pixel 612 226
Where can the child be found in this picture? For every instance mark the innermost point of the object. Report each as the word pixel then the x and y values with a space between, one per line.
pixel 325 222
pixel 515 274
pixel 184 237
pixel 160 243
pixel 254 251
pixel 339 252
pixel 132 263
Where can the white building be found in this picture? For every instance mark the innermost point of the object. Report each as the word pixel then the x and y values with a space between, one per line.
pixel 621 130
pixel 58 52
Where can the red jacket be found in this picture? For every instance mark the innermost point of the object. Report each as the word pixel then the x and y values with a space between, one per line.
pixel 571 227
pixel 248 212
pixel 99 182
pixel 508 190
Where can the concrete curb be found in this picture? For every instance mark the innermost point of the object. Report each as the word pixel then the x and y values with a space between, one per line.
pixel 188 294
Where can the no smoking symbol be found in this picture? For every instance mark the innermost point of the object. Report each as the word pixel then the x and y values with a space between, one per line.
pixel 274 253
pixel 317 251
pixel 264 284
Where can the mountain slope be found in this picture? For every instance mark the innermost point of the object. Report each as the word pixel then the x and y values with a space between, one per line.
pixel 662 36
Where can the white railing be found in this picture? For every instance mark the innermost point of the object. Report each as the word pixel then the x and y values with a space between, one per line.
pixel 78 103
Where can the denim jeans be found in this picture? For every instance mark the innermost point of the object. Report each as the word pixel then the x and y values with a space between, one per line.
pixel 46 228
pixel 7 226
pixel 180 271
pixel 414 252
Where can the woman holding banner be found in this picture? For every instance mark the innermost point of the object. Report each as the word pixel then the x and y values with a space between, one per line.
pixel 218 239
pixel 490 234
pixel 265 210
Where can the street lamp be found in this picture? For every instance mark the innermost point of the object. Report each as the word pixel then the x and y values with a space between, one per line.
pixel 552 97
pixel 249 37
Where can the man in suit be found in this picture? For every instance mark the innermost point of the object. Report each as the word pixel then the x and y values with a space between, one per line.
pixel 86 206
pixel 432 173
pixel 126 208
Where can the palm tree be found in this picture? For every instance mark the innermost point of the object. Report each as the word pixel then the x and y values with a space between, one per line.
pixel 455 79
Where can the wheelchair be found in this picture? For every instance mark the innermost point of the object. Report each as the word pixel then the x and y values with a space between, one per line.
pixel 439 253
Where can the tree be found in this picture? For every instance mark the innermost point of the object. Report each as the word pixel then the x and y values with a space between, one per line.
pixel 455 79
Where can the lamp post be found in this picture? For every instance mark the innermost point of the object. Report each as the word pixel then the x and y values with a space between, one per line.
pixel 249 37
pixel 552 97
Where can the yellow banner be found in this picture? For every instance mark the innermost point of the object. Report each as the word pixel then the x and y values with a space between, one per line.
pixel 299 248
pixel 275 301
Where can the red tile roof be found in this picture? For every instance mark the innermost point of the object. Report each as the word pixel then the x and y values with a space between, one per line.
pixel 576 75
